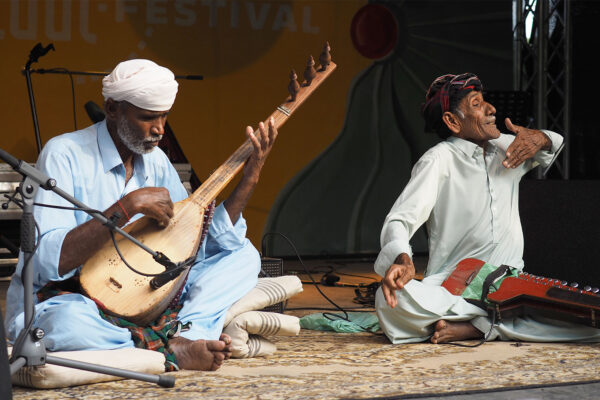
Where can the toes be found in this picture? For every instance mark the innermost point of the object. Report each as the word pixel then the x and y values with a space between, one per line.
pixel 219 357
pixel 440 325
pixel 216 345
pixel 225 338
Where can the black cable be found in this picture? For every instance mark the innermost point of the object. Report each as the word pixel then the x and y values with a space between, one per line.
pixel 329 316
pixel 19 340
pixel 73 100
pixel 483 340
pixel 180 267
pixel 68 72
pixel 357 276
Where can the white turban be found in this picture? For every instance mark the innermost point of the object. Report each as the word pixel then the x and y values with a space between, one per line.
pixel 142 83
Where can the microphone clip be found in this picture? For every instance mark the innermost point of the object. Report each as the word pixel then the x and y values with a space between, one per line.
pixel 171 272
pixel 37 52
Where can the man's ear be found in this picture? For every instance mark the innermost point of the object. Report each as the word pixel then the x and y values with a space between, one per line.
pixel 111 109
pixel 452 122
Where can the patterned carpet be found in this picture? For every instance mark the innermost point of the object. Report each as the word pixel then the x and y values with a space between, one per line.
pixel 317 365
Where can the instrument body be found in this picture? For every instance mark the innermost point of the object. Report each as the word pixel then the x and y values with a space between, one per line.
pixel 107 280
pixel 120 291
pixel 463 274
pixel 528 294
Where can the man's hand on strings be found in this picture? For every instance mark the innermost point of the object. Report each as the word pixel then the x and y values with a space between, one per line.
pixel 153 202
pixel 526 144
pixel 397 275
pixel 262 142
pixel 86 239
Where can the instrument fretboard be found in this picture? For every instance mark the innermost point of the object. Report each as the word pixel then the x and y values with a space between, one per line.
pixel 221 177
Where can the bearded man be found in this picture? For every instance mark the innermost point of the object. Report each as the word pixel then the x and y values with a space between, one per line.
pixel 116 166
pixel 466 189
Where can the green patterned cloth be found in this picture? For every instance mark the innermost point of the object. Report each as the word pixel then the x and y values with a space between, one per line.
pixel 475 288
pixel 358 322
pixel 152 337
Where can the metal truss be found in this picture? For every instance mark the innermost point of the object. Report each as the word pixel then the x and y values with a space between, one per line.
pixel 542 66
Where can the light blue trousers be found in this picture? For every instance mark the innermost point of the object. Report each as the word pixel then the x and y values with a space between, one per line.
pixel 72 322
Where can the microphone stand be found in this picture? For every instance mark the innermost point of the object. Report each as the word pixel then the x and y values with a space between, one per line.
pixel 39 51
pixel 65 71
pixel 34 55
pixel 29 348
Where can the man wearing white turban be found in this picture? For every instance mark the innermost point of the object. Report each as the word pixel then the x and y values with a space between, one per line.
pixel 115 166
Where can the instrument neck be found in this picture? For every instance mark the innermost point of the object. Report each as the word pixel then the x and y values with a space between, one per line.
pixel 219 179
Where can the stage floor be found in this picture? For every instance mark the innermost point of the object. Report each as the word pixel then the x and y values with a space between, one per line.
pixel 330 365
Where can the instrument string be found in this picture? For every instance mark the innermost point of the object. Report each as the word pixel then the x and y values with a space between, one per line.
pixel 180 266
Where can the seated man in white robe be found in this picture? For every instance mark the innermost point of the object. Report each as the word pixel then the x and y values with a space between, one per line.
pixel 116 166
pixel 466 190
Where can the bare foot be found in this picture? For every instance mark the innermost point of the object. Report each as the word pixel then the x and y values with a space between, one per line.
pixel 202 355
pixel 446 331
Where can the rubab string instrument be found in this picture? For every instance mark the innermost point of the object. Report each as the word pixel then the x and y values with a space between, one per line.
pixel 117 289
pixel 526 294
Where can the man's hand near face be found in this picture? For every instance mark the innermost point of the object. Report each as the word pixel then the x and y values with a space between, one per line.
pixel 397 275
pixel 526 144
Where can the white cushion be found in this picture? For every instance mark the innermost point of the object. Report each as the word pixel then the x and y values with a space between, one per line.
pixel 50 376
pixel 268 291
pixel 245 329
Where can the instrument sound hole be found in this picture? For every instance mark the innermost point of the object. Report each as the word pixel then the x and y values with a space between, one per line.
pixel 114 285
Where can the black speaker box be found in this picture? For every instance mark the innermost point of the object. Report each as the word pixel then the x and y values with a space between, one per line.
pixel 271 268
pixel 561 226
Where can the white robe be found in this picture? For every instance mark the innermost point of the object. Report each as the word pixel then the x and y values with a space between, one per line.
pixel 470 203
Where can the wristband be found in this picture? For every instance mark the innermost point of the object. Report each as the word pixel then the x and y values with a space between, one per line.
pixel 123 208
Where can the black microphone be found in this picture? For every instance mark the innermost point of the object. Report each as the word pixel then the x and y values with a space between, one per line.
pixel 172 271
pixel 190 77
pixel 37 52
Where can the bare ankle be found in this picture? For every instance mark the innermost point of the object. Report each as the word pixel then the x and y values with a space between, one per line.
pixel 447 331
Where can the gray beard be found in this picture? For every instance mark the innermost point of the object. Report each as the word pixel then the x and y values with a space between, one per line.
pixel 130 140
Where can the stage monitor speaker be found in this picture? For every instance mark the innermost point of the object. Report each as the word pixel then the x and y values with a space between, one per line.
pixel 5 384
pixel 561 226
pixel 271 268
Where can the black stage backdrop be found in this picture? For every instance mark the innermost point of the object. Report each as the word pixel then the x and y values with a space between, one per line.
pixel 561 225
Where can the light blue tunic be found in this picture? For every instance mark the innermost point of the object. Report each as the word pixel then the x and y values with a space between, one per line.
pixel 87 165
pixel 470 203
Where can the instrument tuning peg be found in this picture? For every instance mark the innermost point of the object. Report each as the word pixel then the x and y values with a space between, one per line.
pixel 564 283
pixel 310 72
pixel 595 290
pixel 587 288
pixel 574 285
